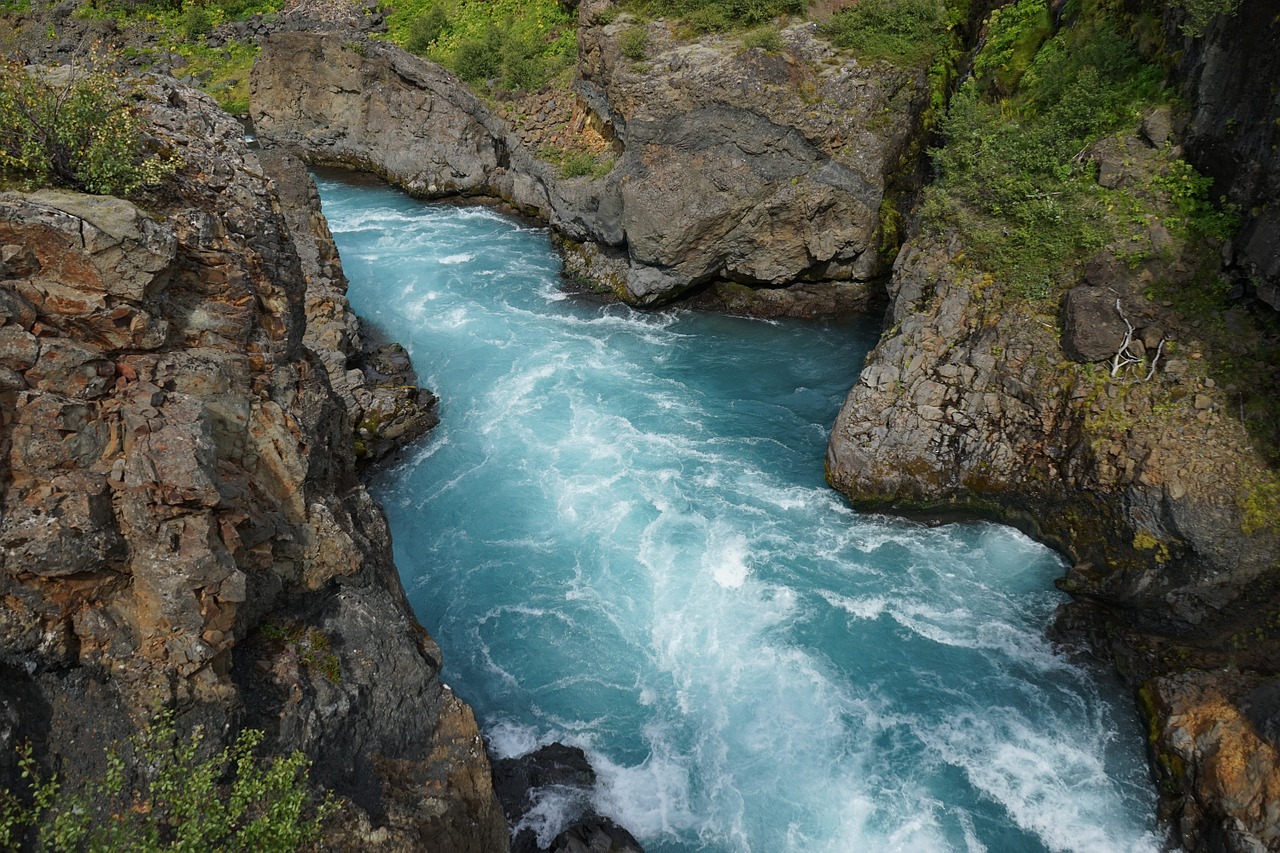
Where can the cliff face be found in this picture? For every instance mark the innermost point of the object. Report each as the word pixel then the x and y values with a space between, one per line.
pixel 734 165
pixel 1229 76
pixel 180 512
pixel 976 402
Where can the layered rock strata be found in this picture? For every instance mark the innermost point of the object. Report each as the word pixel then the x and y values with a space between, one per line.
pixel 734 165
pixel 181 521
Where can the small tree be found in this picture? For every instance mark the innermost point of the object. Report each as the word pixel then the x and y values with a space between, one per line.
pixel 74 128
pixel 231 801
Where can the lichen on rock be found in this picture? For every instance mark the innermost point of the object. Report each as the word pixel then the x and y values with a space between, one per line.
pixel 178 471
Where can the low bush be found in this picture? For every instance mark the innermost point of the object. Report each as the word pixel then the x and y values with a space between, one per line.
pixel 634 43
pixel 515 45
pixel 902 31
pixel 766 38
pixel 182 799
pixel 1013 175
pixel 424 29
pixel 74 128
pixel 704 16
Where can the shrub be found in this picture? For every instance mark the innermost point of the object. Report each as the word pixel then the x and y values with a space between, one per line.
pixel 233 800
pixel 479 59
pixel 196 21
pixel 424 29
pixel 74 128
pixel 1201 12
pixel 634 43
pixel 904 31
pixel 767 39
pixel 1012 175
pixel 714 15
pixel 518 44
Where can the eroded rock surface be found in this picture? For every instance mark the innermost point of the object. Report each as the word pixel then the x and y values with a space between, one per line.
pixel 734 166
pixel 1100 429
pixel 181 523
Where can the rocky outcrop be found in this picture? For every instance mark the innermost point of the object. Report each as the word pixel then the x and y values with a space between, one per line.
pixel 181 523
pixel 555 769
pixel 735 165
pixel 374 378
pixel 1100 429
pixel 1215 737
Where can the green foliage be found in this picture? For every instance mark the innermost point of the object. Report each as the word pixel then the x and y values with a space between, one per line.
pixel 478 59
pixel 634 42
pixel 1201 12
pixel 578 164
pixel 424 29
pixel 767 39
pixel 1014 36
pixel 183 800
pixel 179 28
pixel 1259 503
pixel 1012 175
pixel 517 45
pixel 706 16
pixel 1189 190
pixel 902 31
pixel 310 646
pixel 74 128
pixel 196 21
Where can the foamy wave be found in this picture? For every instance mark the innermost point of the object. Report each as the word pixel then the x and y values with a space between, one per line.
pixel 460 258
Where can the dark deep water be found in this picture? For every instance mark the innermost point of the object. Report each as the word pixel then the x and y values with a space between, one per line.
pixel 621 538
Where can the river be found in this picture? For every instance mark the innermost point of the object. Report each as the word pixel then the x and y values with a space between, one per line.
pixel 621 538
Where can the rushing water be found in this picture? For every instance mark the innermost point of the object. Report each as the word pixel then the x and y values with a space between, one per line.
pixel 621 538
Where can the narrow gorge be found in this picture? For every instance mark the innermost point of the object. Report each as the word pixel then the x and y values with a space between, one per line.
pixel 1079 343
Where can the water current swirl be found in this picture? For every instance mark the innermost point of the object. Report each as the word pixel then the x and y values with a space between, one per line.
pixel 621 538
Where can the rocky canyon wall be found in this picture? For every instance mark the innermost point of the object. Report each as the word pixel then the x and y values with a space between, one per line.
pixel 736 169
pixel 181 522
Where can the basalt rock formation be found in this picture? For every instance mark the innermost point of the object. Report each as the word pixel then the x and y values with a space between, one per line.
pixel 736 169
pixel 179 512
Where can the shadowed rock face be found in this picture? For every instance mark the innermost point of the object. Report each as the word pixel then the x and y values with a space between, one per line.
pixel 178 477
pixel 1234 131
pixel 735 166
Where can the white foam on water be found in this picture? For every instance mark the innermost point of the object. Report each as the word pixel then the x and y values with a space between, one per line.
pixel 614 555
pixel 726 559
pixel 510 739
pixel 1053 786
pixel 859 608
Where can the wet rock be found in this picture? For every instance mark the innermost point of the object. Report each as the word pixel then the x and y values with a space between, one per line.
pixel 564 770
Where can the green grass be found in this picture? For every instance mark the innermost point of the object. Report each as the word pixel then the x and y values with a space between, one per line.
pixel 181 29
pixel 767 39
pixel 578 164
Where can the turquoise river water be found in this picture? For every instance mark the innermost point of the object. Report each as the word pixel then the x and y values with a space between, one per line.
pixel 621 538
